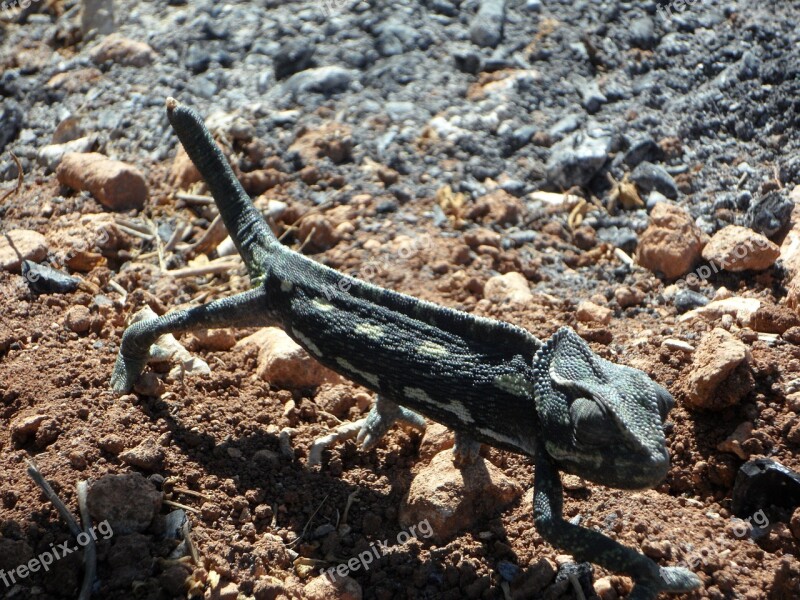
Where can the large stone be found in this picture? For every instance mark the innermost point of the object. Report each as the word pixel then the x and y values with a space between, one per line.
pixel 284 363
pixel 577 158
pixel 740 308
pixel 510 287
pixel 21 244
pixel 671 244
pixel 332 140
pixel 322 80
pixel 486 28
pixel 148 456
pixel 720 374
pixel 128 502
pixel 589 312
pixel 332 587
pixel 452 499
pixel 736 248
pixel 115 184
pixel 122 51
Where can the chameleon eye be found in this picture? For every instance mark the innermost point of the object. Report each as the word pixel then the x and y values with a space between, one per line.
pixel 590 424
pixel 665 402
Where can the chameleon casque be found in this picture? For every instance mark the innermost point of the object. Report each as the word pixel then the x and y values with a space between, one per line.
pixel 491 382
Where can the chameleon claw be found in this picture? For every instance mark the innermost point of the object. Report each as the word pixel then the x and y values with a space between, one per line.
pixel 677 580
pixel 465 450
pixel 126 372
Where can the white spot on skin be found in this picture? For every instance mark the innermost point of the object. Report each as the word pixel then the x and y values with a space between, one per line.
pixel 504 439
pixel 286 286
pixel 454 407
pixel 321 304
pixel 374 332
pixel 515 385
pixel 373 380
pixel 457 408
pixel 431 349
pixel 312 347
pixel 419 394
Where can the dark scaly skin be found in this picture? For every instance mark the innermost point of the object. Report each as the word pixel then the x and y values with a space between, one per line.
pixel 490 381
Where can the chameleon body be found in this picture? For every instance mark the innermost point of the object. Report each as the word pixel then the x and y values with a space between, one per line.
pixel 489 381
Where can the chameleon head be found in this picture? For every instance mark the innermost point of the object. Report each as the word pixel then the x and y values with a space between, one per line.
pixel 601 421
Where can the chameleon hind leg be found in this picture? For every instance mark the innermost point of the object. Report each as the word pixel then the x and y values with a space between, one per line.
pixel 382 416
pixel 369 430
pixel 242 310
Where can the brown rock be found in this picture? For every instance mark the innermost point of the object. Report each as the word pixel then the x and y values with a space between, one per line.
pixel 736 248
pixel 216 340
pixel 482 237
pixel 122 51
pixel 720 372
pixel 115 184
pixel 268 588
pixel 534 580
pixel 332 588
pixel 21 244
pixel 451 499
pixel 672 243
pixel 147 455
pixel 770 318
pixel 128 502
pixel 510 287
pixel 282 362
pixel 335 399
pixel 605 589
pixel 733 443
pixel 75 81
pixel 317 233
pixel 13 553
pixel 790 248
pixel 84 240
pixel 740 308
pixel 174 580
pixel 24 427
pixel 628 296
pixel 259 181
pixel 437 438
pixel 229 591
pixel 332 140
pixel 589 312
pixel 498 207
pixel 78 319
pixel 183 173
pixel 794 523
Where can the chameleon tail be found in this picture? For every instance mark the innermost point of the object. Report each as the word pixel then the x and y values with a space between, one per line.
pixel 246 225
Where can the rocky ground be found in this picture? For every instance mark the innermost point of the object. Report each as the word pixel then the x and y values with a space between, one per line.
pixel 625 167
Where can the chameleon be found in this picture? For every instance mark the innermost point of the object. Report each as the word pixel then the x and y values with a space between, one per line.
pixel 491 382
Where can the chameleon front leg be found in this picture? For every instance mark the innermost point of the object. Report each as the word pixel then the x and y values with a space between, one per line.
pixel 243 310
pixel 591 546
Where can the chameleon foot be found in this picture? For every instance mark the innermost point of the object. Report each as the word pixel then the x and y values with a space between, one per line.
pixel 367 431
pixel 126 372
pixel 671 580
pixel 381 417
pixel 677 580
